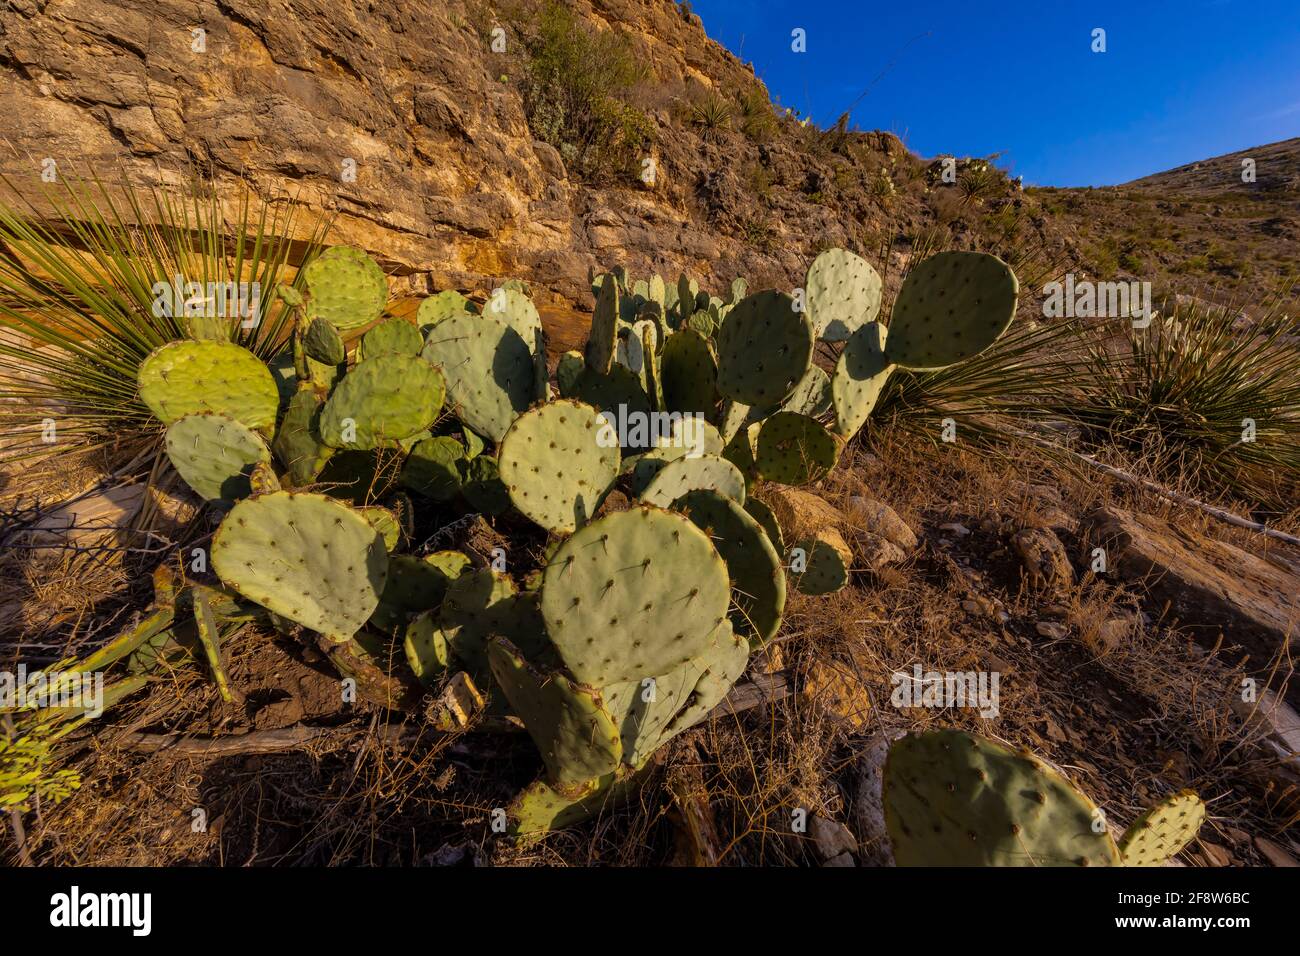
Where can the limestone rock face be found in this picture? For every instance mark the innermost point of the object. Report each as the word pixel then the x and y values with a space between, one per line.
pixel 400 121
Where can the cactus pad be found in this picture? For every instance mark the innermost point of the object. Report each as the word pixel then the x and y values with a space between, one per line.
pixel 683 474
pixel 843 293
pixel 860 374
pixel 794 449
pixel 574 732
pixel 764 349
pixel 643 709
pixel 182 378
pixel 434 468
pixel 958 799
pixel 305 557
pixel 345 287
pixel 761 512
pixel 689 372
pixel 385 399
pixel 826 563
pixel 322 342
pixel 812 396
pixel 391 337
pixel 604 329
pixel 567 371
pixel 488 368
pixel 413 585
pixel 1162 832
pixel 426 648
pixel 297 442
pixel 556 472
pixel 619 393
pixel 951 306
pixel 724 663
pixel 444 305
pixel 753 563
pixel 215 455
pixel 483 604
pixel 632 595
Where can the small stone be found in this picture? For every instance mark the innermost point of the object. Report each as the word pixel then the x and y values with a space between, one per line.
pixel 1043 557
pixel 831 838
pixel 955 527
pixel 1052 629
pixel 880 519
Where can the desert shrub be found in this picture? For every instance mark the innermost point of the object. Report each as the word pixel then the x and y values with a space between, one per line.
pixel 576 91
pixel 711 114
pixel 757 119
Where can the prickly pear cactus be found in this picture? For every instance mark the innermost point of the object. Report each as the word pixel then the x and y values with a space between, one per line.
pixel 951 306
pixel 322 343
pixel 391 337
pixel 860 374
pixel 297 442
pixel 575 734
pixel 567 370
pixel 426 648
pixel 435 468
pixel 604 329
pixel 812 396
pixel 690 373
pixel 345 287
pixel 488 368
pixel 382 400
pixel 215 454
pixel 484 604
pixel 843 293
pixel 684 474
pixel 1162 832
pixel 305 557
pixel 822 564
pixel 794 449
pixel 554 465
pixel 753 563
pixel 442 306
pixel 764 349
pixel 183 378
pixel 634 594
pixel 958 799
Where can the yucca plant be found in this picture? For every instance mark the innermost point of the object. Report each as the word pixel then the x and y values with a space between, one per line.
pixel 1219 397
pixel 712 114
pixel 80 265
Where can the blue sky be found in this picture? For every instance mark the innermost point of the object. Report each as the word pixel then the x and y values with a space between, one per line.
pixel 1181 80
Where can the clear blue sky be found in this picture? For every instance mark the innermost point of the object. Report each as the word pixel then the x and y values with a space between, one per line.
pixel 1181 80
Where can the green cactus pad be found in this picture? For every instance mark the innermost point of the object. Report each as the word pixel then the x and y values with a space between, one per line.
pixel 539 809
pixel 724 663
pixel 482 486
pixel 554 468
pixel 764 349
pixel 483 604
pixel 690 374
pixel 860 374
pixel 812 396
pixel 297 442
pixel 305 557
pixel 753 563
pixel 567 371
pixel 391 337
pixel 794 449
pixel 426 648
pixel 766 517
pixel 620 389
pixel 184 378
pixel 516 310
pixel 442 306
pixel 958 799
pixel 683 474
pixel 488 368
pixel 604 329
pixel 634 594
pixel 654 375
pixel 574 732
pixel 413 585
pixel 951 306
pixel 704 323
pixel 434 468
pixel 386 523
pixel 643 709
pixel 826 563
pixel 215 455
pixel 1164 831
pixel 346 288
pixel 322 342
pixel 842 293
pixel 386 398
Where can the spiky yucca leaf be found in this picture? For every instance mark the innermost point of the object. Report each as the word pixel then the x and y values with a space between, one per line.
pixel 79 260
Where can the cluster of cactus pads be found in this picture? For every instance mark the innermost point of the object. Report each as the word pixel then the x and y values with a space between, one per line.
pixel 636 622
pixel 953 798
